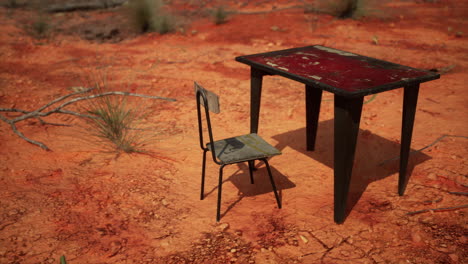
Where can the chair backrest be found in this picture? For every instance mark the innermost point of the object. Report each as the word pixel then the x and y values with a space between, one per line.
pixel 210 101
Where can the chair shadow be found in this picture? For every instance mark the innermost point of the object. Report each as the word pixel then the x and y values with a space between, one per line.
pixel 261 185
pixel 376 157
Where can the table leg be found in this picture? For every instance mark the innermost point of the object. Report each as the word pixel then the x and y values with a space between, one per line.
pixel 313 100
pixel 256 78
pixel 347 118
pixel 410 100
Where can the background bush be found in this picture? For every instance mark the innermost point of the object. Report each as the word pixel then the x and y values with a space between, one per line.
pixel 149 16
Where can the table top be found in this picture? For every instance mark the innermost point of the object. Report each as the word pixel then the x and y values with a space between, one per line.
pixel 337 71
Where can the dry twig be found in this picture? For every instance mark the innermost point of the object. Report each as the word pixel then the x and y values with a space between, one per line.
pixel 423 148
pixel 89 5
pixel 39 113
pixel 439 209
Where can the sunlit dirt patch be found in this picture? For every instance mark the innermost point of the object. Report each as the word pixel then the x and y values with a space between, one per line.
pixel 218 247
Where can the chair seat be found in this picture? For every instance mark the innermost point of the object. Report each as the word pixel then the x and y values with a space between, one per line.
pixel 243 148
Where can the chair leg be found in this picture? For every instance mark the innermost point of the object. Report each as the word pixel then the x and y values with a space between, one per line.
pixel 202 194
pixel 251 168
pixel 220 184
pixel 272 183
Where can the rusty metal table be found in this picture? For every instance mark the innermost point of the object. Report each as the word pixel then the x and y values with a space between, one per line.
pixel 349 77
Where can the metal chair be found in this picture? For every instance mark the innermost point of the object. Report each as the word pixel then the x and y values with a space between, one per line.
pixel 245 148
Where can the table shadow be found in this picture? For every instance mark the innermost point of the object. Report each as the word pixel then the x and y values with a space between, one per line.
pixel 376 157
pixel 262 184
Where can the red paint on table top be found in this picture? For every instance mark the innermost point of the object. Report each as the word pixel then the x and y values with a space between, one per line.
pixel 336 68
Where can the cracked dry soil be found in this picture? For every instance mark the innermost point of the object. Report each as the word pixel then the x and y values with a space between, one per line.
pixel 93 206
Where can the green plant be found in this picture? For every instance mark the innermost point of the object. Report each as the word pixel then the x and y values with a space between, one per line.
pixel 220 15
pixel 63 260
pixel 116 124
pixel 149 16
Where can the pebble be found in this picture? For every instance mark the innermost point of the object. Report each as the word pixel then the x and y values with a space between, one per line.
pixel 223 227
pixel 432 176
pixel 441 249
pixel 416 237
pixel 454 257
pixel 304 239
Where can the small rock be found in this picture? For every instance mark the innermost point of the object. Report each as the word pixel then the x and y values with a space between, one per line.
pixel 402 222
pixel 416 237
pixel 462 239
pixel 426 220
pixel 454 257
pixel 432 176
pixel 164 202
pixel 304 239
pixel 442 249
pixel 165 243
pixel 233 250
pixel 223 227
pixel 274 28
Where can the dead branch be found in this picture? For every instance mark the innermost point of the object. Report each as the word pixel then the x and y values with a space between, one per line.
pixel 459 193
pixel 96 4
pixel 423 148
pixel 438 209
pixel 39 113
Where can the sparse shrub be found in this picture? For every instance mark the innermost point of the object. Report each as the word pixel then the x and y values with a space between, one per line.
pixel 149 16
pixel 220 15
pixel 165 24
pixel 347 8
pixel 41 26
pixel 341 8
pixel 116 124
pixel 12 4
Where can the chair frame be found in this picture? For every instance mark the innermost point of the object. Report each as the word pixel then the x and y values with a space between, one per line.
pixel 201 95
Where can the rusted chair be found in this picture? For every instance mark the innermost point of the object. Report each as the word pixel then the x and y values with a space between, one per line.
pixel 245 148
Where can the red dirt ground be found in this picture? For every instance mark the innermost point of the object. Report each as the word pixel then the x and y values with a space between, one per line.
pixel 97 207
